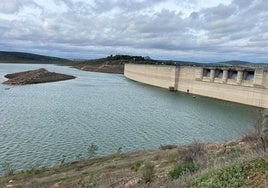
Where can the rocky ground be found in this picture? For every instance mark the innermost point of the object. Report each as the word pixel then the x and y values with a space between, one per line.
pixel 116 69
pixel 34 77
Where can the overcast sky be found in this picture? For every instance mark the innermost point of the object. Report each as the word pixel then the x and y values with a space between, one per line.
pixel 195 30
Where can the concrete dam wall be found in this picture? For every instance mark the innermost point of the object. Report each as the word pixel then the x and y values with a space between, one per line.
pixel 241 85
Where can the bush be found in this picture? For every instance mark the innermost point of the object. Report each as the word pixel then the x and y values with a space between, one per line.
pixel 89 182
pixel 265 127
pixel 246 174
pixel 229 177
pixel 136 166
pixel 148 172
pixel 192 152
pixel 92 150
pixel 179 170
pixel 258 138
pixel 8 170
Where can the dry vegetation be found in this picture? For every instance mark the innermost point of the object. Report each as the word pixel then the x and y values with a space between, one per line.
pixel 238 163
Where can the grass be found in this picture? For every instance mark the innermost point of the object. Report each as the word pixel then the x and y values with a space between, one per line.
pixel 148 172
pixel 7 167
pixel 178 170
pixel 245 174
pixel 227 164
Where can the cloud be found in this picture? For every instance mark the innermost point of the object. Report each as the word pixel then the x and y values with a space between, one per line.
pixel 10 6
pixel 170 29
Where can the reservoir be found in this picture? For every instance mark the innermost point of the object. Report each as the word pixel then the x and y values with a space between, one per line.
pixel 44 124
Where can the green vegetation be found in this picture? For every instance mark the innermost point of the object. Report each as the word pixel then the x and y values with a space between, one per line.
pixel 216 166
pixel 148 172
pixel 178 170
pixel 246 174
pixel 136 166
pixel 32 171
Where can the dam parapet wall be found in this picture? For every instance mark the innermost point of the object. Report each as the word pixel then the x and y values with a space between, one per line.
pixel 236 84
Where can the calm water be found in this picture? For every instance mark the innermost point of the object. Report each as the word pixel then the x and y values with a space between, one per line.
pixel 42 124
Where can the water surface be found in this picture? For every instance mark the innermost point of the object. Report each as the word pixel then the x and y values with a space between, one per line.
pixel 42 124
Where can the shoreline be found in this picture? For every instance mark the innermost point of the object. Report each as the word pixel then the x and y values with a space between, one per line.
pixel 126 169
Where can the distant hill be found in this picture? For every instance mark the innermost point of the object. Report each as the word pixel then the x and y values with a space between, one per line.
pixel 242 64
pixel 21 57
pixel 111 64
pixel 118 61
pixel 234 63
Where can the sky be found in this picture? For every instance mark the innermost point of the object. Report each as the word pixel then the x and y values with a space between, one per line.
pixel 189 30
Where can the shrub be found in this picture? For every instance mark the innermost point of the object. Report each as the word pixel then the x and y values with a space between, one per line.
pixel 92 150
pixel 89 182
pixel 172 157
pixel 259 136
pixel 8 169
pixel 229 177
pixel 136 166
pixel 192 152
pixel 180 169
pixel 119 150
pixel 265 127
pixel 247 174
pixel 62 160
pixel 148 172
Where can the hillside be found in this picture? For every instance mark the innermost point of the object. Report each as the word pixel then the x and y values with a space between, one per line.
pixel 112 63
pixel 242 64
pixel 115 64
pixel 228 164
pixel 20 57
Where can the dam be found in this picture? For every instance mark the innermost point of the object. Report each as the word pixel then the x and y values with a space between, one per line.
pixel 236 84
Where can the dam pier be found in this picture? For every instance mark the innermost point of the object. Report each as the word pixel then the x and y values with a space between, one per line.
pixel 236 84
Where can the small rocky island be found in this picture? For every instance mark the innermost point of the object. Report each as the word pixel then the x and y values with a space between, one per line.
pixel 34 77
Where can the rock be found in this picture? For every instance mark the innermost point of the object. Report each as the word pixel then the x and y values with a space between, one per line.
pixel 132 183
pixel 35 76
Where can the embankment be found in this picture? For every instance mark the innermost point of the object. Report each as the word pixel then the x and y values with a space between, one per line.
pixel 186 166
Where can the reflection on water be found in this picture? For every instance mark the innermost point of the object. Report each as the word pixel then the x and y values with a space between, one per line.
pixel 42 124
